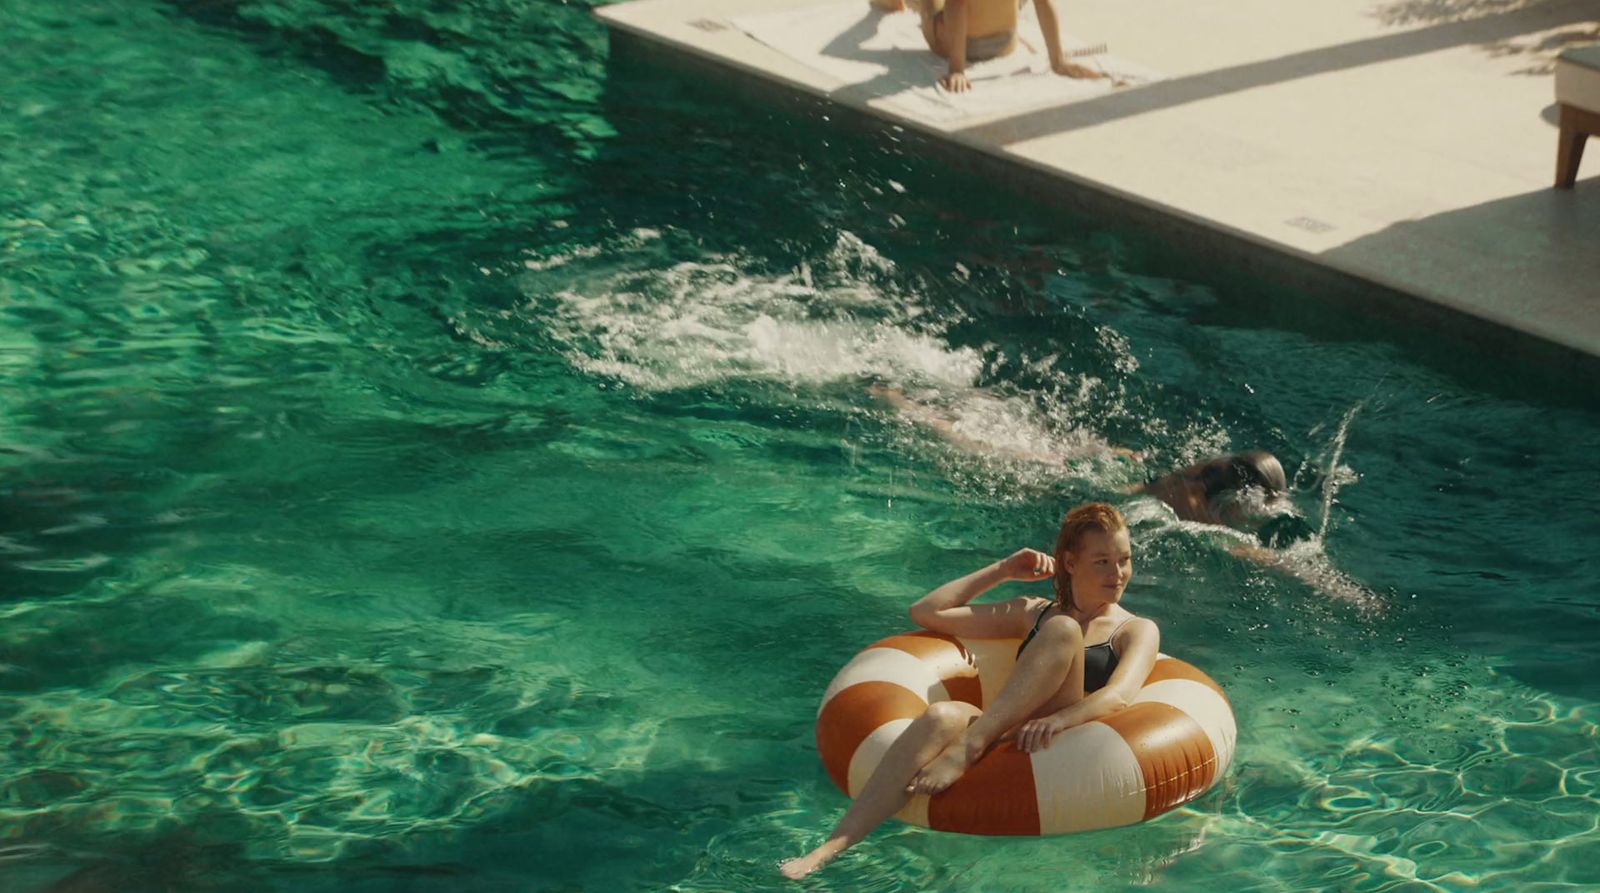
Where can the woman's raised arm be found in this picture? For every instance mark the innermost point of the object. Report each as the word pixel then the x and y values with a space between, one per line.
pixel 946 609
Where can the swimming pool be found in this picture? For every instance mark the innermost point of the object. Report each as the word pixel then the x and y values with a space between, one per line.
pixel 440 457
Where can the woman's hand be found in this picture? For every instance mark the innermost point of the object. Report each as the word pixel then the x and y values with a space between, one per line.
pixel 1028 565
pixel 1074 70
pixel 956 82
pixel 1035 734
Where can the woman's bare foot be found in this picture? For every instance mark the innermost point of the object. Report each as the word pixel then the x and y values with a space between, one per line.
pixel 946 768
pixel 889 5
pixel 795 869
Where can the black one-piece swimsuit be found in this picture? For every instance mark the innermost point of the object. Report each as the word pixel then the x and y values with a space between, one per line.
pixel 1099 661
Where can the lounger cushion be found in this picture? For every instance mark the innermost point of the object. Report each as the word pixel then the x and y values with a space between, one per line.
pixel 1578 78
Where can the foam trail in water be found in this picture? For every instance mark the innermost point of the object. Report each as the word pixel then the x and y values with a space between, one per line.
pixel 839 318
pixel 697 323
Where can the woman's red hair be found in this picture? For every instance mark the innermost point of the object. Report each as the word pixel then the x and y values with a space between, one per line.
pixel 1099 516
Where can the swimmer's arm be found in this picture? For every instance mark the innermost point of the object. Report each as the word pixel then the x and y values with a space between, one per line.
pixel 1259 554
pixel 946 609
pixel 1137 648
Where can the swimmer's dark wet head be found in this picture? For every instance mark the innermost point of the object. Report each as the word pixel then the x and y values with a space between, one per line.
pixel 1237 471
pixel 1246 490
pixel 1237 489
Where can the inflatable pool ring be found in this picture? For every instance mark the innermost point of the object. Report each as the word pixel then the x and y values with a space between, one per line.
pixel 1163 750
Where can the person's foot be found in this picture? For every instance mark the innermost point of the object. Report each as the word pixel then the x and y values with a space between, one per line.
pixel 943 772
pixel 795 869
pixel 889 5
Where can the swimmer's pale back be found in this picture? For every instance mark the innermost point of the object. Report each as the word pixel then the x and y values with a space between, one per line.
pixel 1165 749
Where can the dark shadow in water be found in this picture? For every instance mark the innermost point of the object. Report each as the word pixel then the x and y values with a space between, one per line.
pixel 517 87
pixel 313 44
pixel 190 860
pixel 715 826
pixel 556 833
pixel 196 860
pixel 86 640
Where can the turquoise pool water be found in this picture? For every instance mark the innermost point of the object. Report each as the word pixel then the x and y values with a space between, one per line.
pixel 435 456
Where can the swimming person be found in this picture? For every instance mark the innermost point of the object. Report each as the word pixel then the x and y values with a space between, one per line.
pixel 965 31
pixel 1245 491
pixel 1223 489
pixel 1059 681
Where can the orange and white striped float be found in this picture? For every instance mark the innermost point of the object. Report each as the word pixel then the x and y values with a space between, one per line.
pixel 1166 748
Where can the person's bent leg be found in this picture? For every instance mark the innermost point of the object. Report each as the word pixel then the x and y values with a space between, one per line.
pixel 932 14
pixel 884 793
pixel 1049 671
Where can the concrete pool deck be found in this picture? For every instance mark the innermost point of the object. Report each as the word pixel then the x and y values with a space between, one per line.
pixel 1407 143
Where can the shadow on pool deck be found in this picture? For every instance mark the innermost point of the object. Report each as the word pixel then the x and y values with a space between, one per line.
pixel 1490 259
pixel 1485 30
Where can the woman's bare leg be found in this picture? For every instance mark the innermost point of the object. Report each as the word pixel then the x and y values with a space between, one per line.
pixel 1050 672
pixel 885 792
pixel 932 28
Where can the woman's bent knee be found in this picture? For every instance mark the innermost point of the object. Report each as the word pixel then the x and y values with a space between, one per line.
pixel 1061 629
pixel 949 715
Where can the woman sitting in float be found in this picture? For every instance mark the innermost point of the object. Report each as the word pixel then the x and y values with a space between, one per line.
pixel 1083 657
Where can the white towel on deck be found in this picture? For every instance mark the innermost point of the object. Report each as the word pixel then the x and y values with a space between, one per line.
pixel 882 56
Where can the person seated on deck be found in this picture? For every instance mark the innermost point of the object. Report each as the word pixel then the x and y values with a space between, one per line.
pixel 965 31
pixel 1059 681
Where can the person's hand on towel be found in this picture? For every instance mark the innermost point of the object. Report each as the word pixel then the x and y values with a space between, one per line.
pixel 1074 70
pixel 956 82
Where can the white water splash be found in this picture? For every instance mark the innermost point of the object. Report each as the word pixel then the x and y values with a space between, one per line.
pixel 1337 475
pixel 840 318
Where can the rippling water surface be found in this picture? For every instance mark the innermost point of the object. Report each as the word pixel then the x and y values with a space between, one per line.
pixel 436 455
